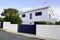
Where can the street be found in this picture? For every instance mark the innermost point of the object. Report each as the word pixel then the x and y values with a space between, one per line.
pixel 10 36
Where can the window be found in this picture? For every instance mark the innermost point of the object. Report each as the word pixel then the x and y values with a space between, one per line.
pixel 38 13
pixel 31 16
pixel 23 15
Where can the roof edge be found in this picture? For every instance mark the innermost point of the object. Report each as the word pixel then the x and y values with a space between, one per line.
pixel 37 9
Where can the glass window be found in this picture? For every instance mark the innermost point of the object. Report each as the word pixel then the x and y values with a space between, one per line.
pixel 23 15
pixel 31 16
pixel 38 13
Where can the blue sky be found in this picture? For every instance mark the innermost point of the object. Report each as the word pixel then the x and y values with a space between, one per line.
pixel 23 5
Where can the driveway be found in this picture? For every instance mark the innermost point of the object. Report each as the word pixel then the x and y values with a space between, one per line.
pixel 10 36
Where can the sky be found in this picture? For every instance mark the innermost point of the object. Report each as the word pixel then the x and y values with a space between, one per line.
pixel 24 5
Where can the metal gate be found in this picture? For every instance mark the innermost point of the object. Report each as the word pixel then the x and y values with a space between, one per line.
pixel 31 29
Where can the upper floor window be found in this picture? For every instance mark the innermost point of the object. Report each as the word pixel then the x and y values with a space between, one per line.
pixel 38 13
pixel 31 16
pixel 23 15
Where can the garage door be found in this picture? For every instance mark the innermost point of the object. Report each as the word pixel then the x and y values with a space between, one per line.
pixel 31 29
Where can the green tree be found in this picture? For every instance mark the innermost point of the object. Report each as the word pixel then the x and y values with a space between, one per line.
pixel 1 19
pixel 10 11
pixel 11 15
pixel 13 19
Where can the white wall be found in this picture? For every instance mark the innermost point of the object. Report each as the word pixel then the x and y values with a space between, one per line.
pixel 10 27
pixel 48 31
pixel 43 17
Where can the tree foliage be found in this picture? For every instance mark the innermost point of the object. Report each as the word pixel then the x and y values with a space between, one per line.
pixel 13 19
pixel 11 15
pixel 9 11
pixel 1 19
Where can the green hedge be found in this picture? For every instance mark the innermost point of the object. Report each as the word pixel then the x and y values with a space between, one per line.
pixel 47 23
pixel 42 22
pixel 50 23
pixel 57 23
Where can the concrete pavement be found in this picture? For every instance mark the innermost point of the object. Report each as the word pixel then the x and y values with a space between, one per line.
pixel 31 35
pixel 23 36
pixel 11 36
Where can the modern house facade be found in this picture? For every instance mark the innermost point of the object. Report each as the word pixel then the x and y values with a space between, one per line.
pixel 36 15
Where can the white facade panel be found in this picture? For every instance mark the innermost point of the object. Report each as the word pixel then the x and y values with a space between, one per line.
pixel 10 27
pixel 48 31
pixel 44 17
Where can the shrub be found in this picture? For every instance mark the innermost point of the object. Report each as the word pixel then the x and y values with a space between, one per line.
pixel 13 19
pixel 50 23
pixel 42 22
pixel 1 19
pixel 57 23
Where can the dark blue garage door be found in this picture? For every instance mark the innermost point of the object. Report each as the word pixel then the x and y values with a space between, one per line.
pixel 31 29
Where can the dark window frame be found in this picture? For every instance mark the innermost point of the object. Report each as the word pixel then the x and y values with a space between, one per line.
pixel 38 13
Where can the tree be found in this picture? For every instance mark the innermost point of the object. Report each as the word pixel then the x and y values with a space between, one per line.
pixel 11 15
pixel 10 11
pixel 1 19
pixel 13 19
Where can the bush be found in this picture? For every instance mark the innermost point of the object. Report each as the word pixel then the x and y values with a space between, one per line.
pixel 42 22
pixel 1 19
pixel 50 23
pixel 57 23
pixel 13 19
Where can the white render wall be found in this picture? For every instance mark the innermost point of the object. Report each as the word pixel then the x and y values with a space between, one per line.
pixel 48 31
pixel 10 27
pixel 43 17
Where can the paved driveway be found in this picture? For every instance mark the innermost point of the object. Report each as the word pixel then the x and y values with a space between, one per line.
pixel 11 36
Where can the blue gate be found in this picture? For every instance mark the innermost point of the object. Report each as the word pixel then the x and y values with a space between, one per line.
pixel 31 29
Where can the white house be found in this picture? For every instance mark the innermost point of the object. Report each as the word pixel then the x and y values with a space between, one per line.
pixel 36 15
